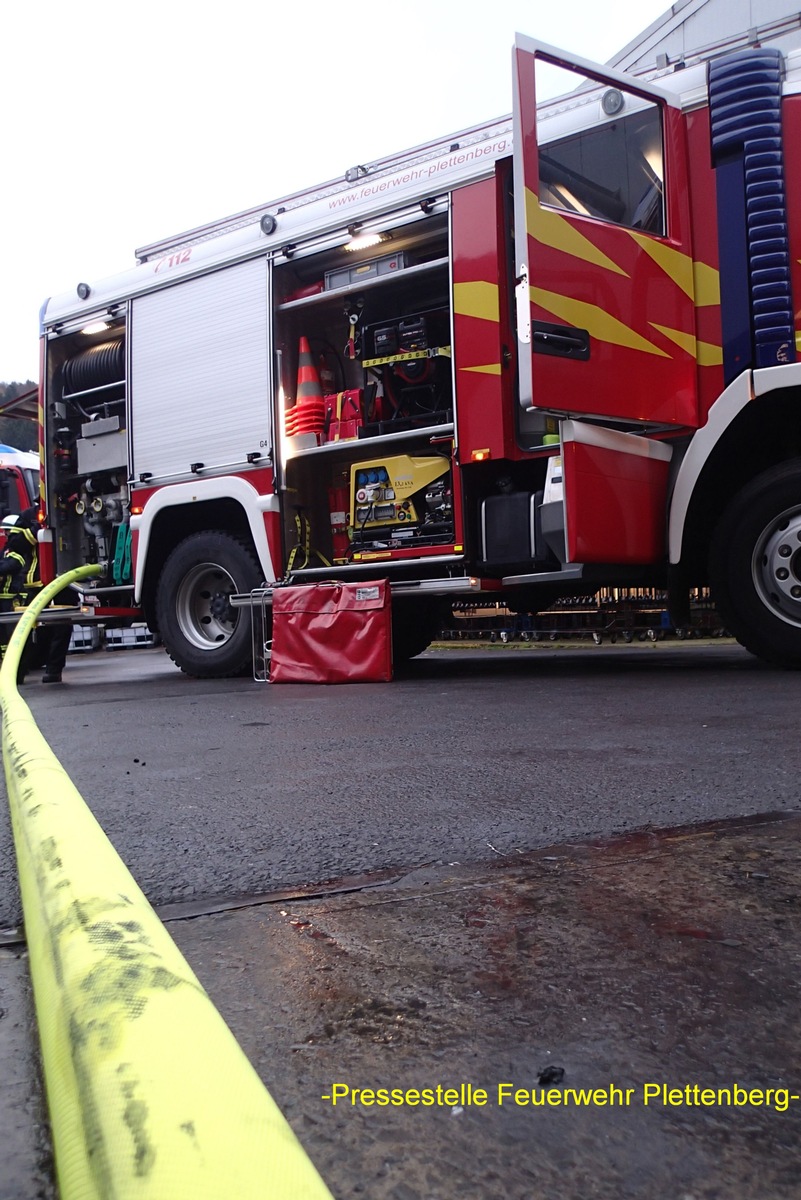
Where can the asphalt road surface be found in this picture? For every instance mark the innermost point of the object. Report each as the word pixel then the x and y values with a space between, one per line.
pixel 473 920
pixel 219 788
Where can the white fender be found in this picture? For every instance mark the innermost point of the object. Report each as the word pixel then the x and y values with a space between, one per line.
pixel 228 487
pixel 728 404
pixel 746 387
pixel 769 379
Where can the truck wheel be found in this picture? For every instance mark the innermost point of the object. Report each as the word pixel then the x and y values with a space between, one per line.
pixel 755 565
pixel 203 634
pixel 414 628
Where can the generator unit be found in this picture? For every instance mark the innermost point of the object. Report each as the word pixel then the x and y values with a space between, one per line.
pixel 401 498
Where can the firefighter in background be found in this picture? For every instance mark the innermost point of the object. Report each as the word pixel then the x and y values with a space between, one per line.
pixel 18 573
pixel 19 583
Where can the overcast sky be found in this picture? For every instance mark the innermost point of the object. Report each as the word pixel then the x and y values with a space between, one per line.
pixel 126 123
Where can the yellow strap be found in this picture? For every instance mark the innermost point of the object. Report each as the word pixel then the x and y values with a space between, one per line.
pixel 303 529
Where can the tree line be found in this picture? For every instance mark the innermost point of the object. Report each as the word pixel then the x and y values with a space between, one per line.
pixel 18 432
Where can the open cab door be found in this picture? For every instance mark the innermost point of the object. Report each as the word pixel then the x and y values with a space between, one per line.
pixel 603 260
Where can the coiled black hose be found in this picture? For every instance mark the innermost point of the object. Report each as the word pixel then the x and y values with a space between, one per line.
pixel 96 367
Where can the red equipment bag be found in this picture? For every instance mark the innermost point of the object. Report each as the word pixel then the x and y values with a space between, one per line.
pixel 332 633
pixel 344 415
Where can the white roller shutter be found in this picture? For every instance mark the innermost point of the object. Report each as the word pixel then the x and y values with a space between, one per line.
pixel 199 372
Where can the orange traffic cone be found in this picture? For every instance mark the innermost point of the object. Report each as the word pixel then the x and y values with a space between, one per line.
pixel 308 380
pixel 309 412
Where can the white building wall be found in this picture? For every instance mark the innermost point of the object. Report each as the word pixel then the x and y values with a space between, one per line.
pixel 691 25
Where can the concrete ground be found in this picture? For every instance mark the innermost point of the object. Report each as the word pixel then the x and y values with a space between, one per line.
pixel 627 1011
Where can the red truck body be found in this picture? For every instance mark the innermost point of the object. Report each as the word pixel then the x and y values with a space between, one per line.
pixel 566 362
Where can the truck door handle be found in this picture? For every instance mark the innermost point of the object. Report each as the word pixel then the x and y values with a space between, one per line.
pixel 562 340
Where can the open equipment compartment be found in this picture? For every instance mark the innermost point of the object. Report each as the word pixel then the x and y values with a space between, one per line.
pixel 365 394
pixel 85 390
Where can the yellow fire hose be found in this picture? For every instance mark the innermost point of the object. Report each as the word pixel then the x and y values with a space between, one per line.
pixel 150 1096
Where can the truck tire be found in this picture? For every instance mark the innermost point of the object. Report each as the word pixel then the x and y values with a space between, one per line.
pixel 755 565
pixel 414 627
pixel 202 633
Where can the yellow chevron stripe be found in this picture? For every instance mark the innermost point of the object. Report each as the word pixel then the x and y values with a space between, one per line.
pixel 706 354
pixel 709 355
pixel 478 299
pixel 798 339
pixel 551 229
pixel 489 369
pixel 687 341
pixel 596 321
pixel 676 265
pixel 707 285
pixel 696 279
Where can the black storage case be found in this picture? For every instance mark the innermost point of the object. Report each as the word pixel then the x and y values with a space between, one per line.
pixel 511 535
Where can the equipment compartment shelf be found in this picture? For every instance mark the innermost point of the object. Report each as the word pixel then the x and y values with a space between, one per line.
pixel 356 447
pixel 366 284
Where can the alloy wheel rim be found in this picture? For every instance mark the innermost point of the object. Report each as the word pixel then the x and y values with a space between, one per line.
pixel 776 566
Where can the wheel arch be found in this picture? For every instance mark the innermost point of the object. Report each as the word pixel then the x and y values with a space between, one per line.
pixel 747 433
pixel 174 512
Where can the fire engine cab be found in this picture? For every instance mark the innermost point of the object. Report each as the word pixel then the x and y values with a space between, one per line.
pixel 19 483
pixel 545 355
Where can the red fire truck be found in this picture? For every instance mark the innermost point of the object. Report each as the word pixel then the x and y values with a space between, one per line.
pixel 546 355
pixel 19 483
